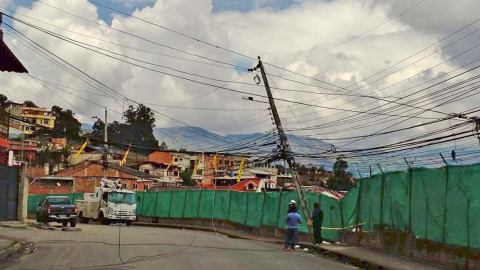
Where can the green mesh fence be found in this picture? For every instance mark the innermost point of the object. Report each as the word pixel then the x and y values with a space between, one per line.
pixel 255 209
pixel 428 203
pixel 442 205
pixel 331 217
pixel 350 207
pixel 463 206
pixel 222 205
pixel 395 201
pixel 271 209
pixel 369 207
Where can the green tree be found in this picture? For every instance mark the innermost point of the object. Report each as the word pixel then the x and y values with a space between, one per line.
pixel 302 170
pixel 186 177
pixel 3 101
pixel 136 131
pixel 66 125
pixel 341 179
pixel 29 103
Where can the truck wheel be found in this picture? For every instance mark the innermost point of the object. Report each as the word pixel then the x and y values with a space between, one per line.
pixel 64 223
pixel 39 219
pixel 81 218
pixel 103 220
pixel 129 223
pixel 73 223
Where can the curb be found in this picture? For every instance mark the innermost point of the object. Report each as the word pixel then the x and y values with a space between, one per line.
pixel 337 256
pixel 14 249
pixel 22 227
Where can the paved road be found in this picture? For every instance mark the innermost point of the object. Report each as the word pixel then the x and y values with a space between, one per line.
pixel 96 247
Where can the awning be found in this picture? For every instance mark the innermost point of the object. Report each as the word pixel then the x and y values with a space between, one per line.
pixel 4 143
pixel 8 61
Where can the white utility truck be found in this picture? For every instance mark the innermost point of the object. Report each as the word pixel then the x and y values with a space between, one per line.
pixel 109 204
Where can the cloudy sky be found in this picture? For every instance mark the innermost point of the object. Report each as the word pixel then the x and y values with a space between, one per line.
pixel 387 49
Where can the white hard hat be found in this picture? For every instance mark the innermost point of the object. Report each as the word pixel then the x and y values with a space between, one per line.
pixel 292 202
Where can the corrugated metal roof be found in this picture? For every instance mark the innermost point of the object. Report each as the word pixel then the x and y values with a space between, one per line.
pixel 8 61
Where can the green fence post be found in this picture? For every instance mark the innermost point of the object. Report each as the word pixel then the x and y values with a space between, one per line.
pixel 199 201
pixel 426 218
pixel 279 205
pixel 468 223
pixel 263 207
pixel 341 214
pixel 170 207
pixel 445 204
pixel 156 203
pixel 359 199
pixel 382 193
pixel 143 202
pixel 410 191
pixel 184 204
pixel 229 204
pixel 246 211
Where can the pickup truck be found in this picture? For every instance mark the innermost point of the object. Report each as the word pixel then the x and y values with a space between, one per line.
pixel 57 209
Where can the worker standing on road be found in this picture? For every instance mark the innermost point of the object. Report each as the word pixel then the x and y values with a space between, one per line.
pixel 293 220
pixel 317 220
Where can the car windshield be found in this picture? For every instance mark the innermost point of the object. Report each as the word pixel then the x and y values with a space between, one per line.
pixel 53 201
pixel 117 197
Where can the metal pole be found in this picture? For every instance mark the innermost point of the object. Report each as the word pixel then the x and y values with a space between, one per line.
pixel 468 223
pixel 285 147
pixel 199 201
pixel 410 190
pixel 246 212
pixel 447 177
pixel 359 198
pixel 359 173
pixel 105 151
pixel 410 182
pixel 382 194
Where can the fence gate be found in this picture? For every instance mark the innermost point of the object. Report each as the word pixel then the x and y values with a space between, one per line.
pixel 8 192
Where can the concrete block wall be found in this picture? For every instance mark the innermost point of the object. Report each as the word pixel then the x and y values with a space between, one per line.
pixel 405 244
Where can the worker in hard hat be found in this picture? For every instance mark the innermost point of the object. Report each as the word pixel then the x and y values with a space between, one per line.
pixel 293 221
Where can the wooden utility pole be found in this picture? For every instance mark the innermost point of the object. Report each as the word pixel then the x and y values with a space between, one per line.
pixel 285 149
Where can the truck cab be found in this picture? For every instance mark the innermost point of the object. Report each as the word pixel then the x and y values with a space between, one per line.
pixel 108 204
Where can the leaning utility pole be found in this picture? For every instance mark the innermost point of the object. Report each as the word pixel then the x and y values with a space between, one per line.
pixel 285 147
pixel 105 147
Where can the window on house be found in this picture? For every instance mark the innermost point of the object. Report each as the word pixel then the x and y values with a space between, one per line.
pixel 92 178
pixel 154 183
pixel 176 159
pixel 45 122
pixel 124 186
pixel 145 187
pixel 226 162
pixel 175 173
pixel 135 186
pixel 147 171
pixel 199 172
pixel 27 128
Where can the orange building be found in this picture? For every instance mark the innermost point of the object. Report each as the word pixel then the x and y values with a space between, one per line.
pixel 160 157
pixel 88 174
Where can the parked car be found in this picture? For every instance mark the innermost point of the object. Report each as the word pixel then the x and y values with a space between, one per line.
pixel 57 209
